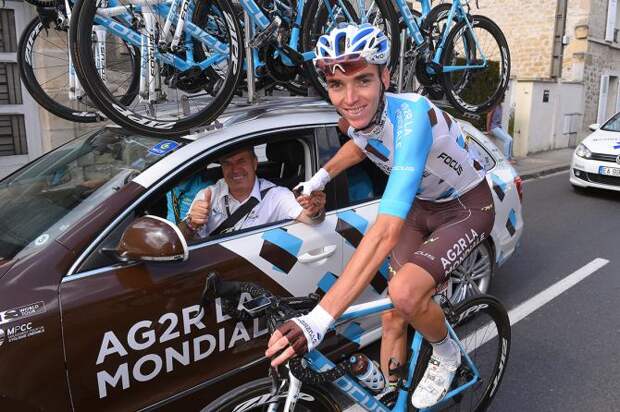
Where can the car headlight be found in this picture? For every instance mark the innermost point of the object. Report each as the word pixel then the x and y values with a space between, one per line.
pixel 583 151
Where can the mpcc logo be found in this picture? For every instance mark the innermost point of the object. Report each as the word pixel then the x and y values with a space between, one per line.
pixel 2 335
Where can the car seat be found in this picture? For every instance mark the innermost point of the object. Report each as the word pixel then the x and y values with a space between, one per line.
pixel 285 163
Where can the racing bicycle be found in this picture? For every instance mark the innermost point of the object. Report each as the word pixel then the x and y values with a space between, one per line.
pixel 479 325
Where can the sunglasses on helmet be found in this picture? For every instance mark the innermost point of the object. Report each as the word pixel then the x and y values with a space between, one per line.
pixel 349 64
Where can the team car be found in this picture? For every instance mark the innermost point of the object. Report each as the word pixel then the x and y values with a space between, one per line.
pixel 101 311
pixel 596 160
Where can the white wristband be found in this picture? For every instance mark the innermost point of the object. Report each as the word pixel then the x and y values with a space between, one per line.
pixel 315 325
pixel 319 180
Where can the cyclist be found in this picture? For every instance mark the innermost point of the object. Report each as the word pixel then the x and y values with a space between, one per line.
pixel 423 151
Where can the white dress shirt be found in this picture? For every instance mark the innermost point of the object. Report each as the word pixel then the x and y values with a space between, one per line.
pixel 279 204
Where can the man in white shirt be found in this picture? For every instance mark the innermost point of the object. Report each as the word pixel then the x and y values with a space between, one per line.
pixel 211 210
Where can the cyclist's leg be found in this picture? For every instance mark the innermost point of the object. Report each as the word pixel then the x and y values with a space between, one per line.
pixel 394 336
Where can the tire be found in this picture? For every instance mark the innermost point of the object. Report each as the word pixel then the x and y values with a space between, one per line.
pixel 51 97
pixel 314 25
pixel 166 117
pixel 42 3
pixel 483 327
pixel 477 269
pixel 476 90
pixel 255 396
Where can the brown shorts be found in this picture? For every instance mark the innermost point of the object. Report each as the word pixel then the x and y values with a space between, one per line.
pixel 439 236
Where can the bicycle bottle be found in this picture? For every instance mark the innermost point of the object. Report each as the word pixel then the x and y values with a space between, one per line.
pixel 367 372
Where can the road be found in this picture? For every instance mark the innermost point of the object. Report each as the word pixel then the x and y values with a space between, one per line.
pixel 564 352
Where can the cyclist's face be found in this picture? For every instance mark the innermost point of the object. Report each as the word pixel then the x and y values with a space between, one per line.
pixel 357 96
pixel 239 172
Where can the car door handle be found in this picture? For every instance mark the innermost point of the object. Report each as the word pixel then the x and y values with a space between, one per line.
pixel 317 254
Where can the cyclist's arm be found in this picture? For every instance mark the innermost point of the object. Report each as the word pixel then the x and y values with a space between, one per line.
pixel 348 155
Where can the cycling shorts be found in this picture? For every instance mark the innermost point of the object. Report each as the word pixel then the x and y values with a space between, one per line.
pixel 439 236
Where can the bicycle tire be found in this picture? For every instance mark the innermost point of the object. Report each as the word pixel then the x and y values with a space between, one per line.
pixel 140 121
pixel 469 95
pixel 254 396
pixel 468 320
pixel 313 26
pixel 54 104
pixel 42 3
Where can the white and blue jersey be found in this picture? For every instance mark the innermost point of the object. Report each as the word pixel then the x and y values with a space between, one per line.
pixel 423 151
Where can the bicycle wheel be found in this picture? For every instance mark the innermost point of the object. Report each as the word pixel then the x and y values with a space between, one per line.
pixel 181 99
pixel 42 3
pixel 255 396
pixel 43 60
pixel 476 90
pixel 318 20
pixel 483 328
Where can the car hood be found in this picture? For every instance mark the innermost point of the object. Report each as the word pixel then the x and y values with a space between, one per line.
pixel 602 141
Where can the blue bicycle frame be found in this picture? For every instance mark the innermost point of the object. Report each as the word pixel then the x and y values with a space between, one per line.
pixel 413 27
pixel 360 395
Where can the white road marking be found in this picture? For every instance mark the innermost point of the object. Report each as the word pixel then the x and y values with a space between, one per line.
pixel 536 302
pixel 545 176
pixel 531 305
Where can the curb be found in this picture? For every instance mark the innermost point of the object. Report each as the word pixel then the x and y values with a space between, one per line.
pixel 544 172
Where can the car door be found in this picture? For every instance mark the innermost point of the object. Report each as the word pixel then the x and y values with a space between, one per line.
pixel 135 335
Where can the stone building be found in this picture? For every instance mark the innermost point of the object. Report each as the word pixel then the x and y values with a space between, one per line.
pixel 565 67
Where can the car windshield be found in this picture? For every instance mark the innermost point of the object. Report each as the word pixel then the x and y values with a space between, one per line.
pixel 613 124
pixel 46 196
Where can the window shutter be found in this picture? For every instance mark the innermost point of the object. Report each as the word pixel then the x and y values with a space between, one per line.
pixel 612 6
pixel 602 99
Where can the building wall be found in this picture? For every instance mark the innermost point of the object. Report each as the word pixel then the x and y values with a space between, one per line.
pixel 528 27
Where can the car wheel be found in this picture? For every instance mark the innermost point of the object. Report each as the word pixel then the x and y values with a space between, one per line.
pixel 473 276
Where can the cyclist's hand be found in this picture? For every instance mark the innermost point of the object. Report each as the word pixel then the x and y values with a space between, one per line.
pixel 298 336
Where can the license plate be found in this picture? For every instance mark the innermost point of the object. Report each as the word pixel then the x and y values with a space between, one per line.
pixel 609 171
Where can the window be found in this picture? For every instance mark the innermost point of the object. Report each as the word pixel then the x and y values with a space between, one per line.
pixel 363 182
pixel 8 36
pixel 612 20
pixel 12 135
pixel 10 85
pixel 479 152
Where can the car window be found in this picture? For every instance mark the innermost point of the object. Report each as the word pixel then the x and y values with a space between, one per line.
pixel 363 182
pixel 479 152
pixel 282 160
pixel 613 124
pixel 54 191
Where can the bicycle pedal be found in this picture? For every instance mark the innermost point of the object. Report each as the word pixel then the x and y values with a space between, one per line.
pixel 264 37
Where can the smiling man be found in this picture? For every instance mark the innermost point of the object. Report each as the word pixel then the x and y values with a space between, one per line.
pixel 436 202
pixel 241 199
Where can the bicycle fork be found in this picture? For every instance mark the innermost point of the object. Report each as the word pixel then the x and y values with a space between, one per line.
pixel 150 77
pixel 75 88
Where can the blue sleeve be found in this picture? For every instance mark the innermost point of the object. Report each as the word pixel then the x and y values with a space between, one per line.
pixel 413 138
pixel 170 216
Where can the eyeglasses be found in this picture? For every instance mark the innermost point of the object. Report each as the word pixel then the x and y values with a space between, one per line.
pixel 349 64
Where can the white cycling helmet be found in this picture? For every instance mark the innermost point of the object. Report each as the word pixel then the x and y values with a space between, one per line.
pixel 350 47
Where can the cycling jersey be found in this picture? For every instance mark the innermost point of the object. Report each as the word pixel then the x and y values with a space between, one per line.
pixel 423 150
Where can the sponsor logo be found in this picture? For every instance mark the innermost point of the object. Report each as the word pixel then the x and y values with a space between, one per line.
pixel 460 250
pixel 143 121
pixel 266 400
pixel 404 168
pixel 19 332
pixel 430 240
pixel 471 311
pixel 357 393
pixel 404 123
pixel 185 347
pixel 21 312
pixel 426 255
pixel 33 35
pixel 452 163
pixel 500 369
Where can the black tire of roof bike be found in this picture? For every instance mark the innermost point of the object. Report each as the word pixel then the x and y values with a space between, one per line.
pixel 27 74
pixel 453 86
pixel 255 397
pixel 134 52
pixel 467 321
pixel 42 3
pixel 137 122
pixel 310 35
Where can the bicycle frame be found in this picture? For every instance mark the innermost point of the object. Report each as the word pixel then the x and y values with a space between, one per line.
pixel 413 28
pixel 360 395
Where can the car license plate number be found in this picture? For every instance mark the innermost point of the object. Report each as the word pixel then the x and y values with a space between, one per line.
pixel 609 171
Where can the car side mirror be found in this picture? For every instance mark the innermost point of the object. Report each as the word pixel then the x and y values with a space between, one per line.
pixel 594 127
pixel 151 238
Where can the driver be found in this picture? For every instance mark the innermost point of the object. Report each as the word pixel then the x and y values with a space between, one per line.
pixel 436 207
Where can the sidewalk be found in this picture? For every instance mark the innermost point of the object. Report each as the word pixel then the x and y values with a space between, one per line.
pixel 544 163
